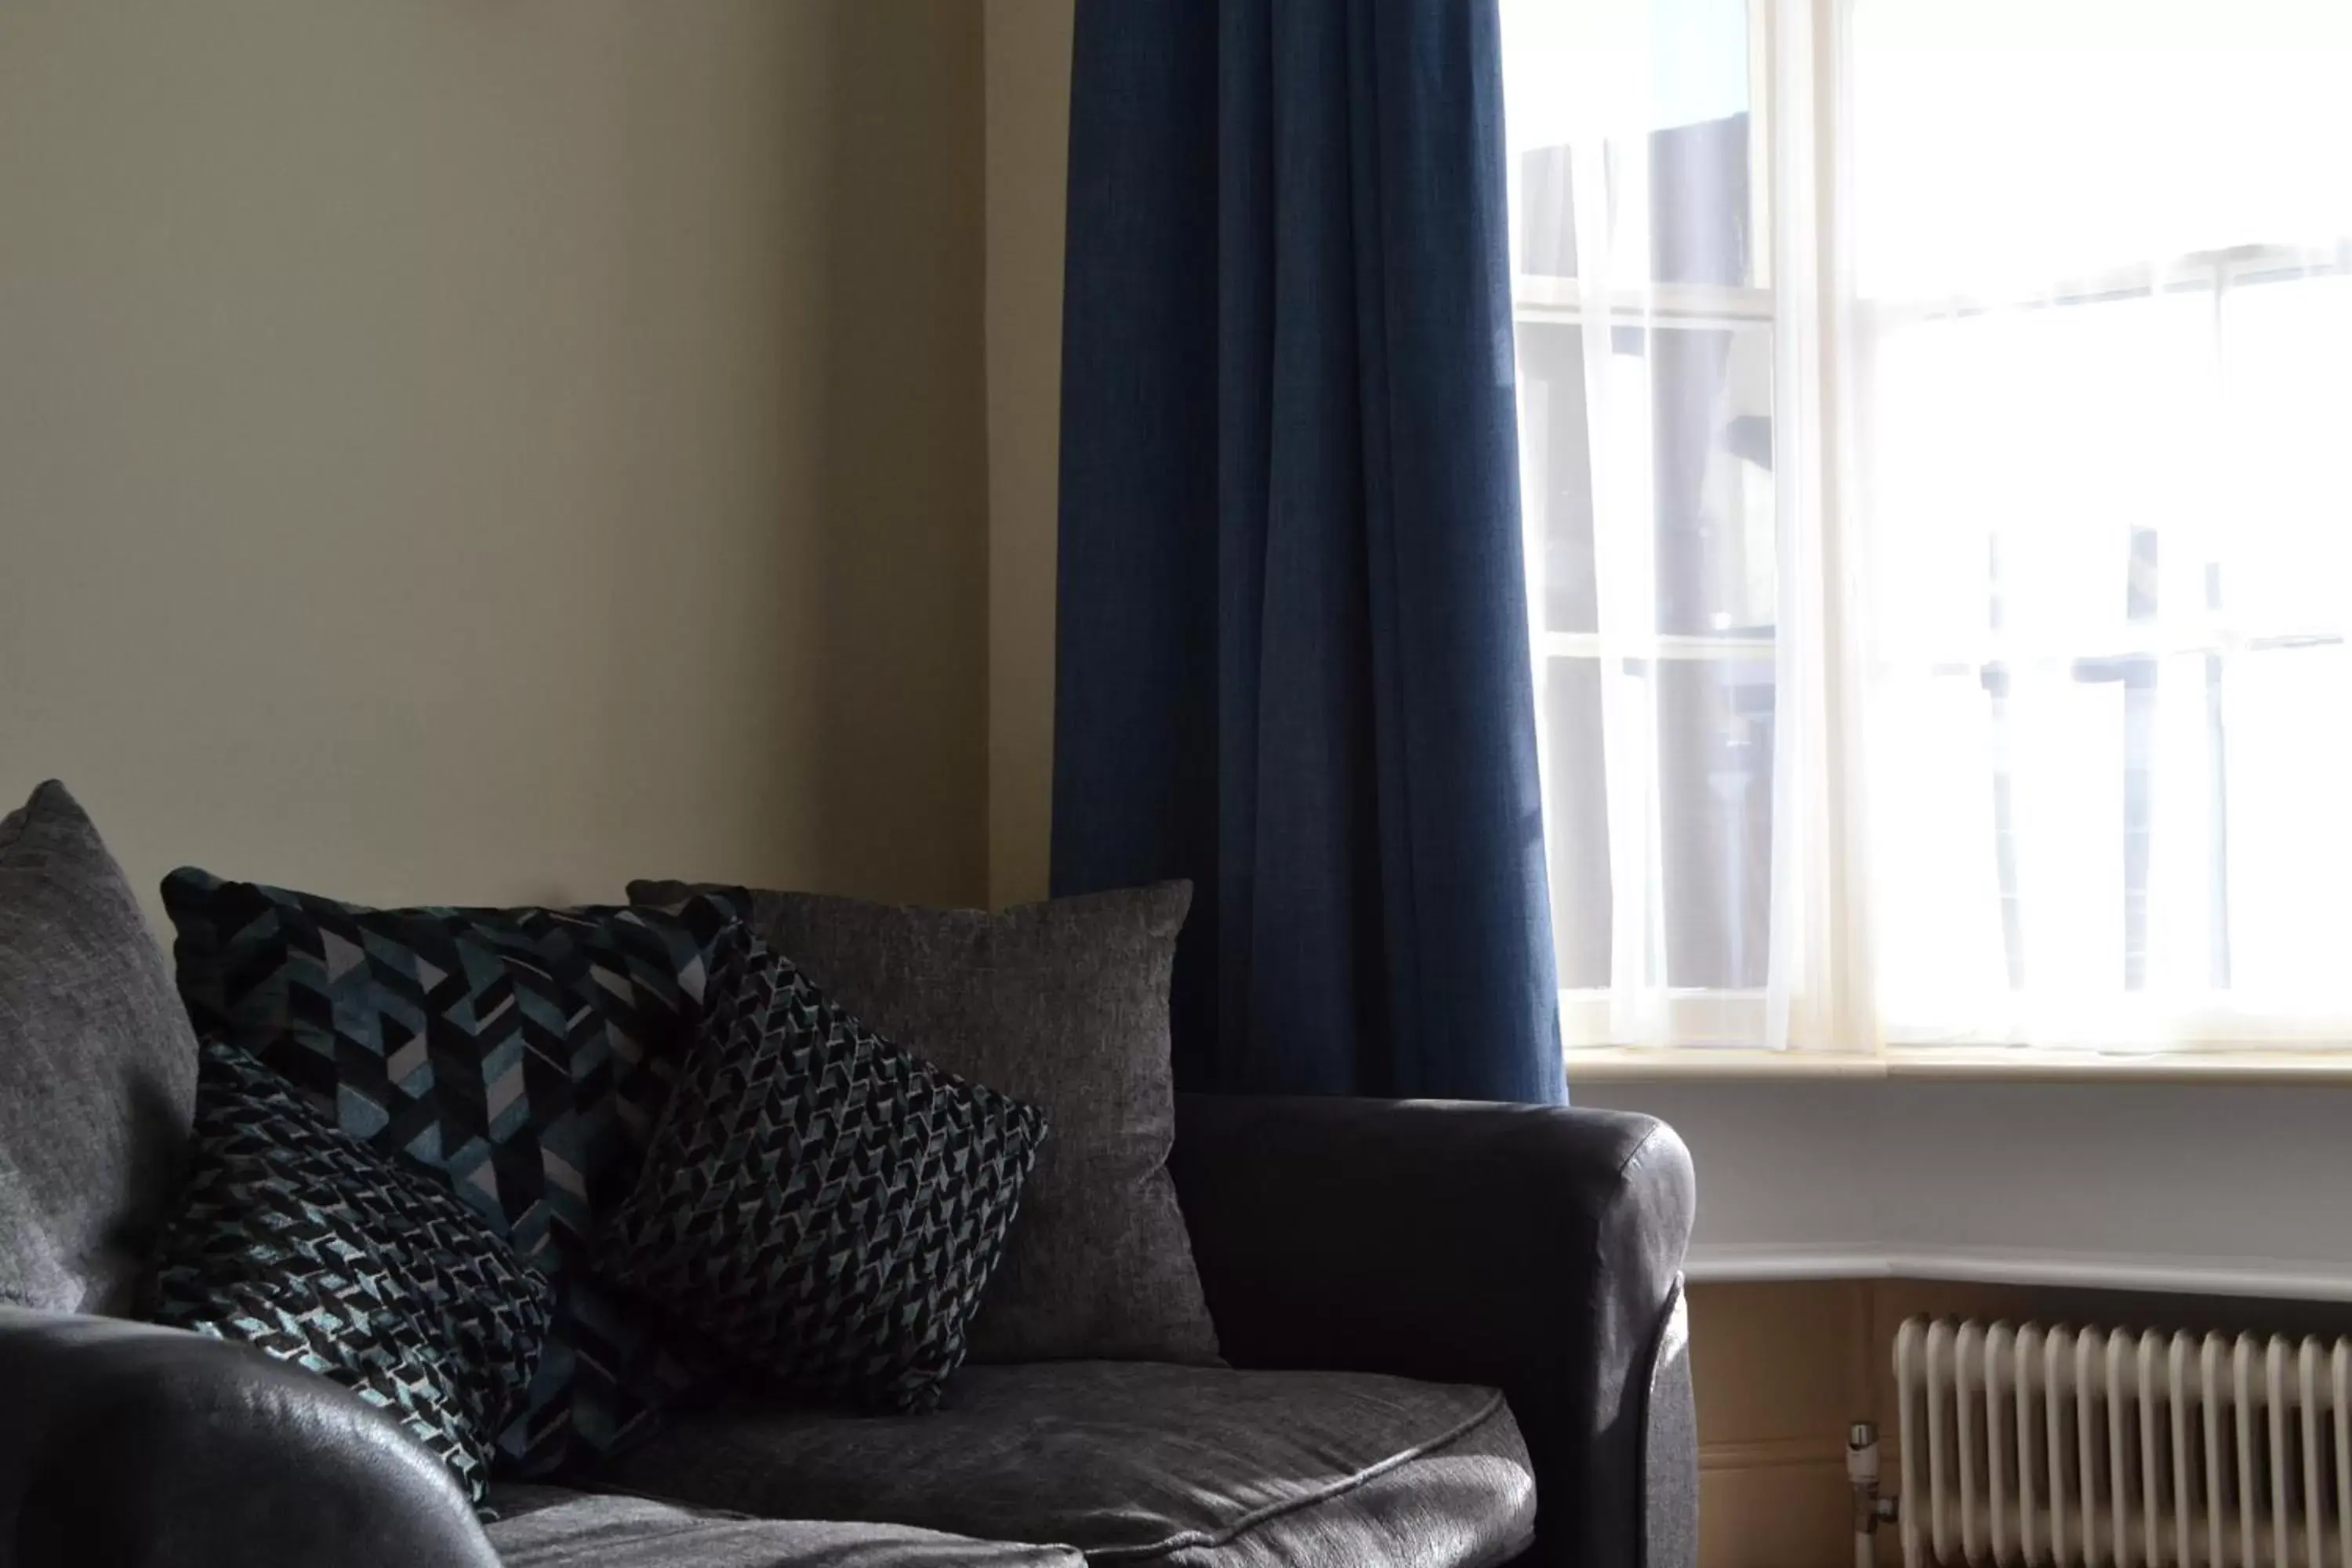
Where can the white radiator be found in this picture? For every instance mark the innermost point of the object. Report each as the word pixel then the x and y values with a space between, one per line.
pixel 2077 1448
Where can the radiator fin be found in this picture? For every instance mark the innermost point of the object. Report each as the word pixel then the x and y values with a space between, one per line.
pixel 2044 1446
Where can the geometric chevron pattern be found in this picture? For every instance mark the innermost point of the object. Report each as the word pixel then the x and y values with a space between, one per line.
pixel 818 1201
pixel 524 1054
pixel 297 1238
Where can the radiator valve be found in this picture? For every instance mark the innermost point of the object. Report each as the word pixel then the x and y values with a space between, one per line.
pixel 1870 1509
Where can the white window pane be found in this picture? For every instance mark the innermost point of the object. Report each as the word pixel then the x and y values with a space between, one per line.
pixel 1639 135
pixel 1556 475
pixel 1711 483
pixel 2066 770
pixel 1659 91
pixel 2121 136
pixel 2285 534
pixel 1576 822
pixel 1691 450
pixel 2289 824
pixel 1715 769
pixel 1937 850
pixel 2104 364
pixel 2018 451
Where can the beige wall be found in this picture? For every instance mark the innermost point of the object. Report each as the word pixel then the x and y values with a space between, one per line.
pixel 467 450
pixel 1028 56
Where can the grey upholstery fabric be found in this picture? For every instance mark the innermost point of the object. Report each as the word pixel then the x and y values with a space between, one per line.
pixel 1136 1462
pixel 97 1067
pixel 546 1528
pixel 1064 1004
pixel 1670 1510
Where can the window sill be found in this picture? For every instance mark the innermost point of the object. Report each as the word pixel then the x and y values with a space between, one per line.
pixel 1626 1064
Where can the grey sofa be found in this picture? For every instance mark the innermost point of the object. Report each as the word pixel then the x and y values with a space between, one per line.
pixel 1455 1336
pixel 1529 1253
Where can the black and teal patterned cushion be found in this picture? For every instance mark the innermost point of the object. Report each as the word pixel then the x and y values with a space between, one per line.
pixel 524 1053
pixel 296 1238
pixel 821 1203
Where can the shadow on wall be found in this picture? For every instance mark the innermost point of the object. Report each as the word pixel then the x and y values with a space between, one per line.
pixel 863 618
pixel 902 651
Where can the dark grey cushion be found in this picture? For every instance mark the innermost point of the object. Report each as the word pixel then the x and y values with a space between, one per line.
pixel 1138 1462
pixel 98 1067
pixel 542 1527
pixel 1063 1005
pixel 822 1204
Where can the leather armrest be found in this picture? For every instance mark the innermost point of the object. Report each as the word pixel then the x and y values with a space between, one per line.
pixel 1533 1248
pixel 127 1445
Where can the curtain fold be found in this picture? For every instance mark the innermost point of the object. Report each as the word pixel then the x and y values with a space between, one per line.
pixel 1293 648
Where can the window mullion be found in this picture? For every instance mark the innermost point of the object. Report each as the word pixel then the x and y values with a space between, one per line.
pixel 1821 992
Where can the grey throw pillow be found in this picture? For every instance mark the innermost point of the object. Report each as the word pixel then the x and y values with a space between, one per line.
pixel 98 1067
pixel 1063 1005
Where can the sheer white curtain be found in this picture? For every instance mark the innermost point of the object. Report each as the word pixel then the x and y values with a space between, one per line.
pixel 1661 175
pixel 1939 515
pixel 2102 395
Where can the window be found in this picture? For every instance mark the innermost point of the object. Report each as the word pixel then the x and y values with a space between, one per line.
pixel 1937 450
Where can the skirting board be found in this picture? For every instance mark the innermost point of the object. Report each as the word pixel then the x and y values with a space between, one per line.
pixel 2297 1279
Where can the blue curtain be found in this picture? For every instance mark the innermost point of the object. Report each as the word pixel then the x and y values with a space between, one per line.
pixel 1293 657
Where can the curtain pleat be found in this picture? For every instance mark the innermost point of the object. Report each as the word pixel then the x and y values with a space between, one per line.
pixel 1293 659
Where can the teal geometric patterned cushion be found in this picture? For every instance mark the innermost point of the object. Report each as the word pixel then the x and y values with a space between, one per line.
pixel 296 1238
pixel 525 1054
pixel 823 1204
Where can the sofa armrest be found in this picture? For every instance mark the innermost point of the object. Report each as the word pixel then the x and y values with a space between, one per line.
pixel 1536 1249
pixel 127 1446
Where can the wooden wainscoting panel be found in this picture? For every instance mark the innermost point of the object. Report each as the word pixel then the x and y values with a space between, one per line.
pixel 1780 1371
pixel 1775 1362
pixel 1780 1516
pixel 1780 1368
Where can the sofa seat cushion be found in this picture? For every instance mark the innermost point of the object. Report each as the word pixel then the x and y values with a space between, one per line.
pixel 546 1527
pixel 1138 1462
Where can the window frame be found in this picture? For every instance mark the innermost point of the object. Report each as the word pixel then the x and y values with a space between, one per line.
pixel 1713 1026
pixel 1714 1022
